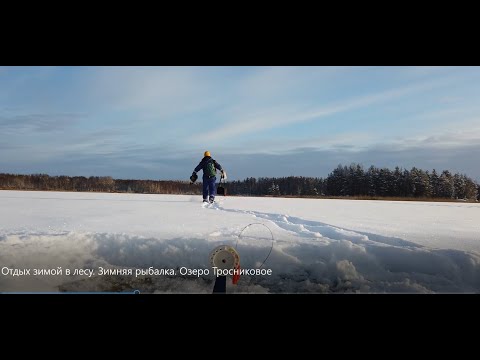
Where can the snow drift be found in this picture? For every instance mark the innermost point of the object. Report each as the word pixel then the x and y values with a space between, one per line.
pixel 320 246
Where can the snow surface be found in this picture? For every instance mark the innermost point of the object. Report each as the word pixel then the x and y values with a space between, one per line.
pixel 320 246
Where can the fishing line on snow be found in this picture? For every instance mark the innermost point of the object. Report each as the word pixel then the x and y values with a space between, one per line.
pixel 271 247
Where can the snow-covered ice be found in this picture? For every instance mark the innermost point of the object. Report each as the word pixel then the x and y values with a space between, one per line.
pixel 320 246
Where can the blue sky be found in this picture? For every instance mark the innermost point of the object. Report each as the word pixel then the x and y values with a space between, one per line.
pixel 156 122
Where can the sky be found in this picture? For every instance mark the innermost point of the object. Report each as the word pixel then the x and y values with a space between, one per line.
pixel 156 122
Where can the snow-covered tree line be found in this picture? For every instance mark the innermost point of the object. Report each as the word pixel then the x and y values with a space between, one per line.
pixel 351 180
pixel 354 180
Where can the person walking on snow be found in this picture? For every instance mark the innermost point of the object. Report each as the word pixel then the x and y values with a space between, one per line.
pixel 209 167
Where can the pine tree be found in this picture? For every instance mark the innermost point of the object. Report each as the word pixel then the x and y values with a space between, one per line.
pixel 446 185
pixel 471 189
pixel 435 183
pixel 459 185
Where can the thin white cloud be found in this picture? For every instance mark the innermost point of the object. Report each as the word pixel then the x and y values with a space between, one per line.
pixel 266 83
pixel 40 122
pixel 425 70
pixel 461 135
pixel 153 92
pixel 456 127
pixel 54 147
pixel 347 141
pixel 288 115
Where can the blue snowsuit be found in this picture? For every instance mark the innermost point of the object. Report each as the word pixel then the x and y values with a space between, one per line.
pixel 208 182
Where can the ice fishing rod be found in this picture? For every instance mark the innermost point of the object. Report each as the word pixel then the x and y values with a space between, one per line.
pixel 226 257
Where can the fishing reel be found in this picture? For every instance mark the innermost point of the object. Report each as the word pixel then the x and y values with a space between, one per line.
pixel 224 259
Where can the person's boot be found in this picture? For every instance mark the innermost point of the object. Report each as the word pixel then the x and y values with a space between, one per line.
pixel 212 199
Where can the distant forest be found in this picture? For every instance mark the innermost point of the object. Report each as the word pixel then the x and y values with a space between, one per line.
pixel 344 181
